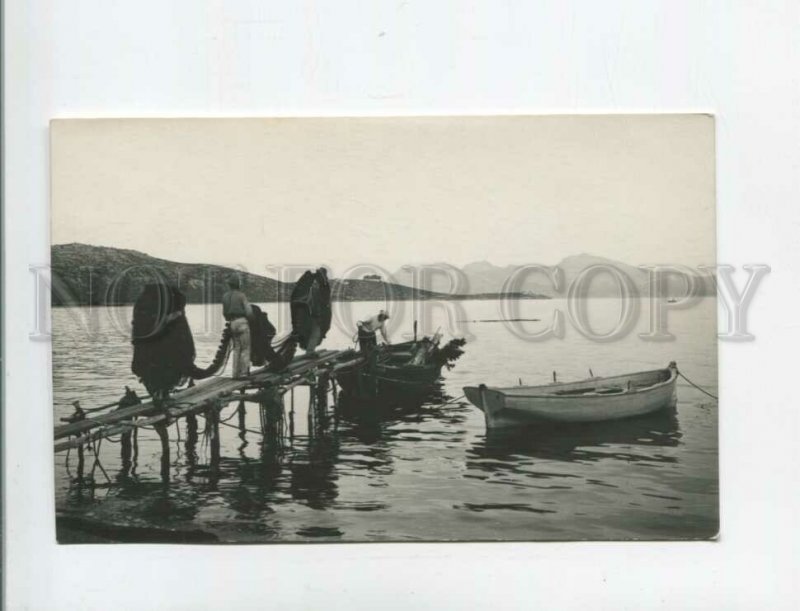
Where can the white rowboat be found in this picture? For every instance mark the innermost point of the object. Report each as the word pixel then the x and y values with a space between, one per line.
pixel 593 400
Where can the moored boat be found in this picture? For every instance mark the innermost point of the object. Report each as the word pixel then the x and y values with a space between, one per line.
pixel 401 371
pixel 593 400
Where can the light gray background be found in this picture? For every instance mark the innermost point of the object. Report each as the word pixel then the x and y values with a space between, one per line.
pixel 257 58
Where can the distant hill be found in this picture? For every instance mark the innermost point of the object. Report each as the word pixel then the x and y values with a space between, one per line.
pixel 484 277
pixel 83 275
pixel 96 275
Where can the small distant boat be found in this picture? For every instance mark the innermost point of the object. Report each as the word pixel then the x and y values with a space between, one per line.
pixel 593 400
pixel 672 300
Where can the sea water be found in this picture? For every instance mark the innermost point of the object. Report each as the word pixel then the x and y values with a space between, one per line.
pixel 432 473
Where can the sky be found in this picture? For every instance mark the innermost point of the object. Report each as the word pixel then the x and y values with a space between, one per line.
pixel 389 191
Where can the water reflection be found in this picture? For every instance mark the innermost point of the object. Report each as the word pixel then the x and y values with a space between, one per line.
pixel 377 411
pixel 634 439
pixel 411 472
pixel 313 475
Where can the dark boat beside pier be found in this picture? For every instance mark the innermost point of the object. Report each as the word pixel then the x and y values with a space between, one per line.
pixel 400 372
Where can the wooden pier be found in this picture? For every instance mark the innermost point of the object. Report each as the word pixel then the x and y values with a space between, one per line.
pixel 207 398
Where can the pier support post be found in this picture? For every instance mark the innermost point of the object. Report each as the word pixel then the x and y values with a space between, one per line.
pixel 291 415
pixel 81 463
pixel 272 415
pixel 312 410
pixel 126 448
pixel 242 410
pixel 335 393
pixel 213 417
pixel 191 429
pixel 191 442
pixel 163 434
pixel 321 390
pixel 77 416
pixel 135 440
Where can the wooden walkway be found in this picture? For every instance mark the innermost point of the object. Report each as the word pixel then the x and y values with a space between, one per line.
pixel 206 396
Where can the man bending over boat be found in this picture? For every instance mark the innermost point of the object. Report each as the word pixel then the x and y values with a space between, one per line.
pixel 237 311
pixel 367 339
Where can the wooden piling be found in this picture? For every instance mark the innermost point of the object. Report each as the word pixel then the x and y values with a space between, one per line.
pixel 291 415
pixel 191 428
pixel 208 398
pixel 81 463
pixel 163 434
pixel 242 414
pixel 322 400
pixel 213 417
pixel 126 449
pixel 135 444
pixel 335 393
pixel 312 409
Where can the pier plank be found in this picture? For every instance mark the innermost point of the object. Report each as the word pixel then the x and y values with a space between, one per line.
pixel 198 397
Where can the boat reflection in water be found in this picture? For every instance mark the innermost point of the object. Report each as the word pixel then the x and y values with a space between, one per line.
pixel 358 409
pixel 322 483
pixel 631 439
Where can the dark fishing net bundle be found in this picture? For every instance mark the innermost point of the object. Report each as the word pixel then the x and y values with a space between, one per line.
pixel 311 306
pixel 449 353
pixel 220 358
pixel 163 347
pixel 262 350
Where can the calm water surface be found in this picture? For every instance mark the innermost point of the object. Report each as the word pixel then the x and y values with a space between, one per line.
pixel 427 474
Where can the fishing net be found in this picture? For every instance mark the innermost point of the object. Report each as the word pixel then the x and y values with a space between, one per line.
pixel 311 308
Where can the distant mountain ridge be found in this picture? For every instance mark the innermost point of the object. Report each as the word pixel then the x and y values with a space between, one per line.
pixel 484 277
pixel 83 274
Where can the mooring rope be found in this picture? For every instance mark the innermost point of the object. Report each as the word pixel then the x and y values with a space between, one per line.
pixel 233 426
pixel 451 401
pixel 680 373
pixel 235 412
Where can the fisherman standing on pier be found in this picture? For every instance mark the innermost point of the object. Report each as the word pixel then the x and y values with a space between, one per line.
pixel 237 311
pixel 367 339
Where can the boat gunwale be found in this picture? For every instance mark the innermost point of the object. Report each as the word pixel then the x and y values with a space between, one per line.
pixel 673 375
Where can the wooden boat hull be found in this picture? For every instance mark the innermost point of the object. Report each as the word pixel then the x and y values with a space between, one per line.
pixel 593 400
pixel 392 379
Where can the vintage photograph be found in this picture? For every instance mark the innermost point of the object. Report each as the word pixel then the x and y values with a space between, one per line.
pixel 378 329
